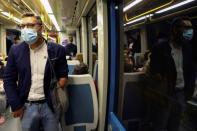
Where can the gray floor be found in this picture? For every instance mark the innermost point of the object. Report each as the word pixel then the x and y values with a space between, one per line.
pixel 11 124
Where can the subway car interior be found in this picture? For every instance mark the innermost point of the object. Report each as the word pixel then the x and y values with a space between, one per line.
pixel 132 64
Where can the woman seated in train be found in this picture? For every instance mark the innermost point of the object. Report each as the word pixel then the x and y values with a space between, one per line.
pixel 143 62
pixel 80 69
pixel 129 64
pixel 79 56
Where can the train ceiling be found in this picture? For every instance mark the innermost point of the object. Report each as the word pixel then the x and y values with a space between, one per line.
pixel 66 12
pixel 141 11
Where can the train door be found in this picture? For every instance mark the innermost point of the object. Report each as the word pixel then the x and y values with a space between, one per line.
pixel 115 64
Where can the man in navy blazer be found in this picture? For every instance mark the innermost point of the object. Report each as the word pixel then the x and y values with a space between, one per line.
pixel 171 63
pixel 27 76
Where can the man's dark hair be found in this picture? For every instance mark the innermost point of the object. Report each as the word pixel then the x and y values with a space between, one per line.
pixel 29 14
pixel 178 21
pixel 176 24
pixel 70 39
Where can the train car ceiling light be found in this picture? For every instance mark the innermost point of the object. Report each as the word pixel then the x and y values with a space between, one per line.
pixel 131 5
pixel 48 9
pixel 10 16
pixel 139 19
pixel 47 6
pixel 52 17
pixel 95 28
pixel 5 14
pixel 17 20
pixel 174 6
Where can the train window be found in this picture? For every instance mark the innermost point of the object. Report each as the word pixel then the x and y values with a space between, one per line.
pixel 92 38
pixel 156 31
pixel 80 35
pixel 149 101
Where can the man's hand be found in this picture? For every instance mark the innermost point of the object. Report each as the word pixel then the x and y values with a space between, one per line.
pixel 63 82
pixel 18 113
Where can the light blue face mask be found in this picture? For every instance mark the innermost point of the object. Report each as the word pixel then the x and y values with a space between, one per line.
pixel 188 34
pixel 30 36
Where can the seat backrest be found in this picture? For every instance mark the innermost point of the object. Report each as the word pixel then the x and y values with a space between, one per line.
pixel 73 62
pixel 82 114
pixel 132 99
pixel 71 65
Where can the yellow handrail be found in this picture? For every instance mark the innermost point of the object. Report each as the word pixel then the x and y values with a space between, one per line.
pixel 157 8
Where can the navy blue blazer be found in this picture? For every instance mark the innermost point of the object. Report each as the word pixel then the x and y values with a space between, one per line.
pixel 17 75
pixel 163 63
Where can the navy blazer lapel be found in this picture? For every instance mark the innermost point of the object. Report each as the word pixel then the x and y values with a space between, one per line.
pixel 47 67
pixel 26 60
pixel 47 73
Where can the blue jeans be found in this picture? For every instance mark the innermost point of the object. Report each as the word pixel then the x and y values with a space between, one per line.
pixel 36 115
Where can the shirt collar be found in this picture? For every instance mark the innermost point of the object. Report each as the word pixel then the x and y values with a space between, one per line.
pixel 39 47
pixel 173 48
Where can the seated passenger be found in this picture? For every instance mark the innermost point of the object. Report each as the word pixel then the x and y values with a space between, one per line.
pixel 80 69
pixel 79 57
pixel 143 62
pixel 128 64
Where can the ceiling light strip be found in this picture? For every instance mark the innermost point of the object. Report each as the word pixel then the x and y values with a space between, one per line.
pixel 52 17
pixel 139 19
pixel 131 5
pixel 95 28
pixel 8 15
pixel 48 9
pixel 47 6
pixel 17 20
pixel 174 6
pixel 148 12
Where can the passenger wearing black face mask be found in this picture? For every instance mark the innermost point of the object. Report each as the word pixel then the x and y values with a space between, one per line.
pixel 171 64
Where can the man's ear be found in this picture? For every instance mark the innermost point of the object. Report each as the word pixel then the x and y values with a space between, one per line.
pixel 40 29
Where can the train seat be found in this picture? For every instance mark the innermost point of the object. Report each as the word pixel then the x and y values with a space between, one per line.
pixel 82 114
pixel 132 100
pixel 71 65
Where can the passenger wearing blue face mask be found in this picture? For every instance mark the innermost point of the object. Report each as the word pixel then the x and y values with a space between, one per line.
pixel 171 64
pixel 27 76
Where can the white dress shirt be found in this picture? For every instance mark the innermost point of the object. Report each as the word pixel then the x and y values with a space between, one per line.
pixel 38 58
pixel 178 60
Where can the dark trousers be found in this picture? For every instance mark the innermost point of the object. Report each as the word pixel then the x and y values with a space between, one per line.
pixel 169 118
